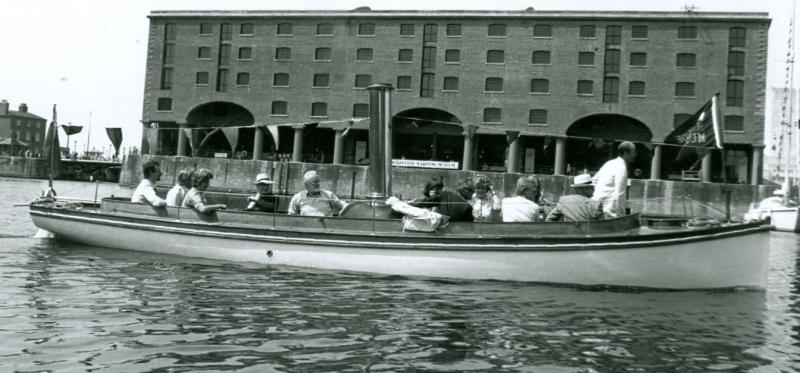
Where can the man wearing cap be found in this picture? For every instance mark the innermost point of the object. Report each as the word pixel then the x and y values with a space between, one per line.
pixel 314 201
pixel 263 200
pixel 578 206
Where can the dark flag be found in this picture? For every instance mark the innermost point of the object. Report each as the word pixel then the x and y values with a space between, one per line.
pixel 71 130
pixel 115 135
pixel 52 151
pixel 699 133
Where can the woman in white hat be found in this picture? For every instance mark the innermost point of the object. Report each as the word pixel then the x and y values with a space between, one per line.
pixel 263 200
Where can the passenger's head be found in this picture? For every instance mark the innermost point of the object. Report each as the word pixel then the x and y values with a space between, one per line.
pixel 482 185
pixel 466 188
pixel 151 170
pixel 311 181
pixel 201 178
pixel 185 177
pixel 627 150
pixel 529 187
pixel 263 183
pixel 582 184
pixel 433 187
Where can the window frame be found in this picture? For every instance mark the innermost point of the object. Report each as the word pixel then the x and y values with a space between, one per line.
pixel 502 54
pixel 276 105
pixel 727 119
pixel 317 31
pixel 319 104
pixel 280 29
pixel 371 54
pixel 277 75
pixel 637 55
pixel 404 26
pixel 686 55
pixel 197 78
pixel 199 53
pixel 410 83
pixel 490 113
pixel 362 76
pixel 489 30
pixel 584 53
pixel 493 81
pixel 210 29
pixel 362 31
pixel 643 88
pixel 546 26
pixel 242 75
pixel 400 56
pixel 531 88
pixel 532 115
pixel 450 79
pixel 640 27
pixel 541 52
pixel 578 87
pixel 581 28
pixel 159 101
pixel 320 49
pixel 242 31
pixel 679 86
pixel 447 52
pixel 684 29
pixel 452 35
pixel 314 83
pixel 242 49
pixel 278 51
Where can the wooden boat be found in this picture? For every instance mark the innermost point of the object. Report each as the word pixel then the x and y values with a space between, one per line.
pixel 773 209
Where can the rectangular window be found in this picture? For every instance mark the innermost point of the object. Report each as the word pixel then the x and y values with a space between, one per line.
pixel 201 78
pixel 612 61
pixel 586 58
pixel 735 63
pixel 407 29
pixel 734 123
pixel 403 82
pixel 283 54
pixel 587 31
pixel 169 54
pixel 638 32
pixel 204 53
pixel 737 37
pixel 613 35
pixel 492 115
pixel 166 78
pixel 319 109
pixel 452 56
pixel 245 53
pixel 322 54
pixel 495 56
pixel 243 79
pixel 405 55
pixel 636 88
pixel 363 80
pixel 585 87
pixel 638 59
pixel 164 104
pixel 427 85
pixel 246 29
pixel 687 32
pixel 322 81
pixel 684 89
pixel 222 80
pixel 280 80
pixel 428 57
pixel 450 83
pixel 686 60
pixel 541 58
pixel 453 29
pixel 611 89
pixel 284 29
pixel 324 29
pixel 366 29
pixel 540 86
pixel 493 85
pixel 430 33
pixel 537 117
pixel 361 111
pixel 226 32
pixel 497 30
pixel 542 31
pixel 205 29
pixel 735 93
pixel 169 32
pixel 224 54
pixel 280 108
pixel 364 54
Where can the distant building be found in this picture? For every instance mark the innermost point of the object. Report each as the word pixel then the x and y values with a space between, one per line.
pixel 547 91
pixel 22 129
pixel 778 148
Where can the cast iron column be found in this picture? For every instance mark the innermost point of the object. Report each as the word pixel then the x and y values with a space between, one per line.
pixel 258 143
pixel 512 164
pixel 380 141
pixel 297 151
pixel 655 163
pixel 338 146
pixel 756 170
pixel 181 140
pixel 561 154
pixel 705 168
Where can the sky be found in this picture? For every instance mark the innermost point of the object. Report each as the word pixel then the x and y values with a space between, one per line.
pixel 88 56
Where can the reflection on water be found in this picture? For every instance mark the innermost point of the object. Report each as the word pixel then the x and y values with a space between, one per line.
pixel 71 307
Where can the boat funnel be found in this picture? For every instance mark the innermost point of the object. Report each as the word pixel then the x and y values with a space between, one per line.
pixel 380 141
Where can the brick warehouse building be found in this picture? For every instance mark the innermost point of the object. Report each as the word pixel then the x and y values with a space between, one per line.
pixel 519 91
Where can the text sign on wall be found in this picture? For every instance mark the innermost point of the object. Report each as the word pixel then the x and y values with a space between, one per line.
pixel 425 164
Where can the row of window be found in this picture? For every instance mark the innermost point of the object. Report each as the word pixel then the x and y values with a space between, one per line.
pixel 737 35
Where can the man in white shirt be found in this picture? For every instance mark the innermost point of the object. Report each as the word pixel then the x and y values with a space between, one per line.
pixel 523 207
pixel 145 192
pixel 314 201
pixel 611 181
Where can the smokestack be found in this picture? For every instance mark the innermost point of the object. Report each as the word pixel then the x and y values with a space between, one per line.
pixel 3 107
pixel 380 141
pixel 23 108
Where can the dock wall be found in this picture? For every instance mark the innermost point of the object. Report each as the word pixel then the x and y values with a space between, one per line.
pixel 33 168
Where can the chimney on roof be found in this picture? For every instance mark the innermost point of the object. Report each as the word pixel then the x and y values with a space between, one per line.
pixel 3 107
pixel 23 108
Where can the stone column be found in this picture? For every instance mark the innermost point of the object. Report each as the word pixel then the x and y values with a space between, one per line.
pixel 297 150
pixel 338 146
pixel 561 156
pixel 512 164
pixel 705 168
pixel 153 137
pixel 258 143
pixel 182 139
pixel 655 163
pixel 469 147
pixel 756 168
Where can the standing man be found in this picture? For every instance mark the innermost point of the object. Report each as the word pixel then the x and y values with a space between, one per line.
pixel 314 201
pixel 611 181
pixel 578 206
pixel 146 192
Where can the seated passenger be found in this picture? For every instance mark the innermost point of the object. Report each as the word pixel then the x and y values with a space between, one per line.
pixel 263 200
pixel 486 206
pixel 523 207
pixel 578 206
pixel 145 192
pixel 314 201
pixel 178 192
pixel 433 195
pixel 195 199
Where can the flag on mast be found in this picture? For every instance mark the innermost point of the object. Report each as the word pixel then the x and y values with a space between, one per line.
pixel 701 132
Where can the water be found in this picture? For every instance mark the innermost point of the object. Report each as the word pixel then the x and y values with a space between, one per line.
pixel 68 307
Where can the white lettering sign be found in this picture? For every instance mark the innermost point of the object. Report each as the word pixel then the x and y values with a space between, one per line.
pixel 425 164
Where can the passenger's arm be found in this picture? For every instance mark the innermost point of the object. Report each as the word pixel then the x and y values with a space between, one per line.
pixel 151 196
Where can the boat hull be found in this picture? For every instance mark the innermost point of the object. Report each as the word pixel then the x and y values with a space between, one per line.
pixel 785 219
pixel 726 259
